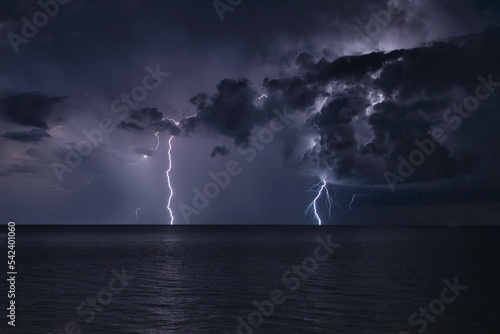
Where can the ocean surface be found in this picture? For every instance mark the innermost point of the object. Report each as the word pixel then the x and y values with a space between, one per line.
pixel 195 279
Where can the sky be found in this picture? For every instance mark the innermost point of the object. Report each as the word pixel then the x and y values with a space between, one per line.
pixel 251 106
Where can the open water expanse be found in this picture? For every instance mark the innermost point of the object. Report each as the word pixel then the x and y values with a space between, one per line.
pixel 264 279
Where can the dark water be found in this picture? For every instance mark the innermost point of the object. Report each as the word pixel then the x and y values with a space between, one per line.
pixel 200 279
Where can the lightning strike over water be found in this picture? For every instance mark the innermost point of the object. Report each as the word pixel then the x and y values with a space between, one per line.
pixel 319 188
pixel 169 183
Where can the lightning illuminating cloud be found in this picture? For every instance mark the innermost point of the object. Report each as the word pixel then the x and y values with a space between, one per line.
pixel 157 134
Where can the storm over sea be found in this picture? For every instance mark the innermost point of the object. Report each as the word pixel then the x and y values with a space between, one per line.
pixel 259 279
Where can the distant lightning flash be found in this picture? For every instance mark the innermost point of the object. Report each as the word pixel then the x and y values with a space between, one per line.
pixel 319 188
pixel 137 210
pixel 157 137
pixel 57 187
pixel 352 201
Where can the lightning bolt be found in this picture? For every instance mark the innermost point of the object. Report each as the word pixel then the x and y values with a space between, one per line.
pixel 57 187
pixel 329 202
pixel 157 134
pixel 135 163
pixel 137 211
pixel 352 201
pixel 262 96
pixel 313 207
pixel 169 183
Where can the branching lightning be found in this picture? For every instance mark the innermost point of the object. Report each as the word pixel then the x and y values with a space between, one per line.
pixel 329 202
pixel 313 207
pixel 55 186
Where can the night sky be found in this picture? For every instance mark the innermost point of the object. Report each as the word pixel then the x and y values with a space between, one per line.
pixel 395 102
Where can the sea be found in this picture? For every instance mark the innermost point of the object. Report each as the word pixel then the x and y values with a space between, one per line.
pixel 255 279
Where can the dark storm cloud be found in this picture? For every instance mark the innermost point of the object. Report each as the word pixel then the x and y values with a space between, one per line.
pixel 146 114
pixel 165 125
pixel 149 119
pixel 438 69
pixel 141 119
pixel 29 109
pixel 219 150
pixel 130 126
pixel 230 111
pixel 341 110
pixel 296 92
pixel 32 136
pixel 396 127
pixel 417 85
